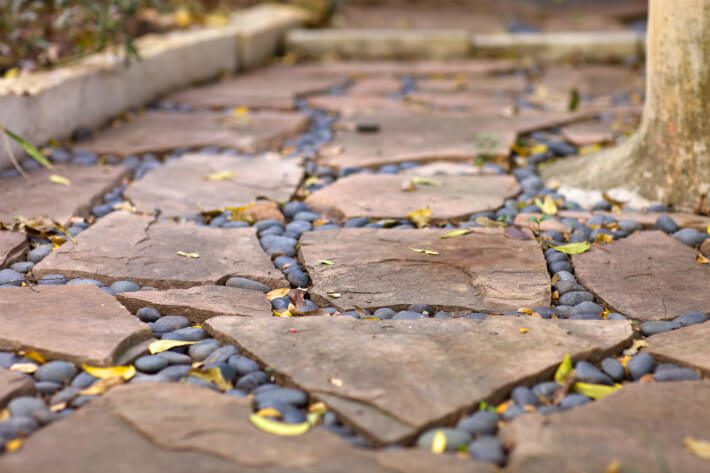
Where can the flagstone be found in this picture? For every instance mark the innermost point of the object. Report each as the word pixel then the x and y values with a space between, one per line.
pixel 588 133
pixel 705 247
pixel 642 427
pixel 491 84
pixel 382 196
pixel 36 196
pixel 443 168
pixel 78 323
pixel 201 302
pixel 350 105
pixel 272 88
pixel 158 132
pixel 391 379
pixel 13 245
pixel 491 105
pixel 182 429
pixel 198 182
pixel 14 384
pixel 685 346
pixel 424 69
pixel 376 86
pixel 125 246
pixel 647 276
pixel 483 271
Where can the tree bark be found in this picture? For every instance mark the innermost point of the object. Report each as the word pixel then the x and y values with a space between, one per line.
pixel 668 159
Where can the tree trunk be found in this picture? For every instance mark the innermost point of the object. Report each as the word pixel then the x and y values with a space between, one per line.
pixel 668 159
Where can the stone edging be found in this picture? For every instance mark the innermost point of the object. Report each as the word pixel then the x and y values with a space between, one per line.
pixel 51 104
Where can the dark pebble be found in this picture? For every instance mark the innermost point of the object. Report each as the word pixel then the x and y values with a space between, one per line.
pixel 573 400
pixel 613 369
pixel 666 224
pixel 245 283
pixel 251 381
pixel 640 364
pixel 658 326
pixel 60 372
pixel 488 449
pixel 124 286
pixel 148 314
pixel 151 363
pixel 481 422
pixel 588 373
pixel 524 396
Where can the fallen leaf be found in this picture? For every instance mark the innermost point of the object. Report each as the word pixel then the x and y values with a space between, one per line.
pixel 502 407
pixel 221 176
pixel 700 448
pixel 57 179
pixel 523 330
pixel 326 262
pixel 283 313
pixel 438 443
pixel 488 223
pixel 700 259
pixel 573 248
pixel 336 382
pixel 613 201
pixel 420 217
pixel 34 356
pixel 564 370
pixel 188 255
pixel 613 467
pixel 525 310
pixel 27 368
pixel 603 238
pixel 275 427
pixel 334 295
pixel 125 372
pixel 58 407
pixel 595 391
pixel 268 412
pixel 14 445
pixel 214 376
pixel 456 233
pixel 101 386
pixel 277 293
pixel 635 347
pixel 547 206
pixel 426 252
pixel 160 346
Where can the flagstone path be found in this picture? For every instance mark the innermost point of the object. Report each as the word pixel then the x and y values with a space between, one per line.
pixel 354 254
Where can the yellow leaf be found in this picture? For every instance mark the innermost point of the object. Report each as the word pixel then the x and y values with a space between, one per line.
pixel 635 347
pixel 424 181
pixel 238 112
pixel 12 73
pixel 438 443
pixel 221 176
pixel 326 262
pixel 334 295
pixel 707 230
pixel 27 368
pixel 216 20
pixel 213 375
pixel 336 382
pixel 502 407
pixel 573 248
pixel 101 386
pixel 603 238
pixel 58 407
pixel 426 252
pixel 182 17
pixel 278 428
pixel 547 206
pixel 188 255
pixel 488 223
pixel 318 408
pixel 526 311
pixel 4 415
pixel 456 233
pixel 595 391
pixel 613 467
pixel 700 259
pixel 589 149
pixel 13 445
pixel 57 179
pixel 125 372
pixel 34 356
pixel 420 217
pixel 160 346
pixel 523 330
pixel 564 370
pixel 284 313
pixel 538 149
pixel 268 412
pixel 276 293
pixel 700 448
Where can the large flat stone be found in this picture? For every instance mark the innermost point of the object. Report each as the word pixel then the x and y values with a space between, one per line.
pixel 647 276
pixel 76 323
pixel 399 68
pixel 182 187
pixel 157 132
pixel 381 196
pixel 13 384
pixel 136 247
pixel 201 302
pixel 483 271
pixel 687 346
pixel 396 378
pixel 183 429
pixel 12 246
pixel 271 88
pixel 36 196
pixel 642 427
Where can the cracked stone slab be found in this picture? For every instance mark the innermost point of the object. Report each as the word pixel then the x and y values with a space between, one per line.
pixel 76 323
pixel 14 384
pixel 483 271
pixel 158 132
pixel 686 346
pixel 275 88
pixel 183 186
pixel 13 245
pixel 36 196
pixel 642 426
pixel 182 429
pixel 381 196
pixel 199 303
pixel 124 246
pixel 647 276
pixel 397 378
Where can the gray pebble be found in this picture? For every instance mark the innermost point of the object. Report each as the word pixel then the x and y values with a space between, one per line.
pixel 573 400
pixel 52 280
pixel 220 355
pixel 613 369
pixel 175 358
pixel 653 327
pixel 60 372
pixel 23 266
pixel 524 396
pixel 588 373
pixel 408 315
pixel 83 380
pixel 488 449
pixel 294 397
pixel 36 255
pixel 640 364
pixel 201 350
pixel 455 438
pixel 124 286
pixel 151 363
pixel 245 283
pixel 575 297
pixel 11 277
pixel 169 323
pixel 47 387
pixel 690 236
pixel 481 422
pixel 192 334
pixel 674 373
pixel 691 318
pixel 242 364
pixel 251 381
pixel 148 314
pixel 666 224
pixel 384 313
pixel 174 372
pixel 26 406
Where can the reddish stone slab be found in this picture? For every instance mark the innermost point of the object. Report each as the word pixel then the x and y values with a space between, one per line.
pixel 13 245
pixel 375 86
pixel 381 196
pixel 14 384
pixel 136 247
pixel 494 84
pixel 186 186
pixel 647 276
pixel 398 377
pixel 36 196
pixel 425 69
pixel 483 271
pixel 183 429
pixel 493 105
pixel 687 346
pixel 348 105
pixel 76 323
pixel 158 132
pixel 588 133
pixel 643 427
pixel 443 168
pixel 201 302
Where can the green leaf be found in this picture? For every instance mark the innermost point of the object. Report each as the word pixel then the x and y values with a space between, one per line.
pixel 29 149
pixel 595 391
pixel 326 262
pixel 573 100
pixel 564 370
pixel 424 181
pixel 456 233
pixel 573 248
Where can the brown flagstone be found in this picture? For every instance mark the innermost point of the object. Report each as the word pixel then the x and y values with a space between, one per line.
pixel 13 245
